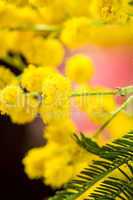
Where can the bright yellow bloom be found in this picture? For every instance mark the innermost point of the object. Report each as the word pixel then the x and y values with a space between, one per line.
pixel 33 77
pixel 104 10
pixel 56 99
pixel 49 161
pixel 34 162
pixel 76 32
pixel 6 77
pixel 20 107
pixel 60 134
pixel 47 52
pixel 27 113
pixel 79 68
pixel 12 96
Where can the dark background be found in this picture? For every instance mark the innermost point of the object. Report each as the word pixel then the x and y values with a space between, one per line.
pixel 14 143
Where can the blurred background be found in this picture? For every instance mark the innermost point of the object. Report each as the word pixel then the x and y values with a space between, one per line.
pixel 15 142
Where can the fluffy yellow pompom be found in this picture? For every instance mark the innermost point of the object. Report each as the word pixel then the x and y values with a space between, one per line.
pixel 34 162
pixel 33 77
pixel 60 134
pixel 79 68
pixel 76 32
pixel 56 103
pixel 47 52
pixel 22 108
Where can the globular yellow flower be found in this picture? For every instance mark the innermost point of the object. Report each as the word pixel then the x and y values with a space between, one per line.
pixel 27 113
pixel 76 32
pixel 6 77
pixel 20 107
pixel 34 162
pixel 55 166
pixel 33 77
pixel 11 97
pixel 79 68
pixel 104 10
pixel 40 50
pixel 71 166
pixel 60 134
pixel 48 161
pixel 56 99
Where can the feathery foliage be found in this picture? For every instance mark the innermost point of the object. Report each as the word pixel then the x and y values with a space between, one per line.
pixel 110 187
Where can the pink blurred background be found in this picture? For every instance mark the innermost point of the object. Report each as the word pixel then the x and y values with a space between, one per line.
pixel 113 68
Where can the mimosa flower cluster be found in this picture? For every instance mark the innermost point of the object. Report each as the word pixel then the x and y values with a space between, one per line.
pixel 42 32
pixel 76 23
pixel 44 91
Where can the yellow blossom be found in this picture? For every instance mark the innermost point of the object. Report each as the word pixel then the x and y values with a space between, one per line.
pixel 33 77
pixel 79 68
pixel 47 52
pixel 56 103
pixel 27 113
pixel 20 107
pixel 46 162
pixel 62 133
pixel 104 10
pixel 34 162
pixel 76 32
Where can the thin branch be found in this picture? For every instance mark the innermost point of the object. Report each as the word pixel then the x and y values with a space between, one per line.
pixel 124 91
pixel 114 114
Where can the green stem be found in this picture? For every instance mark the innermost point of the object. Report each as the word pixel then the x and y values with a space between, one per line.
pixel 115 113
pixel 93 93
pixel 118 91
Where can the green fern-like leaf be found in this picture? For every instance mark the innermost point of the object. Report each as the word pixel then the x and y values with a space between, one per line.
pixel 113 157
